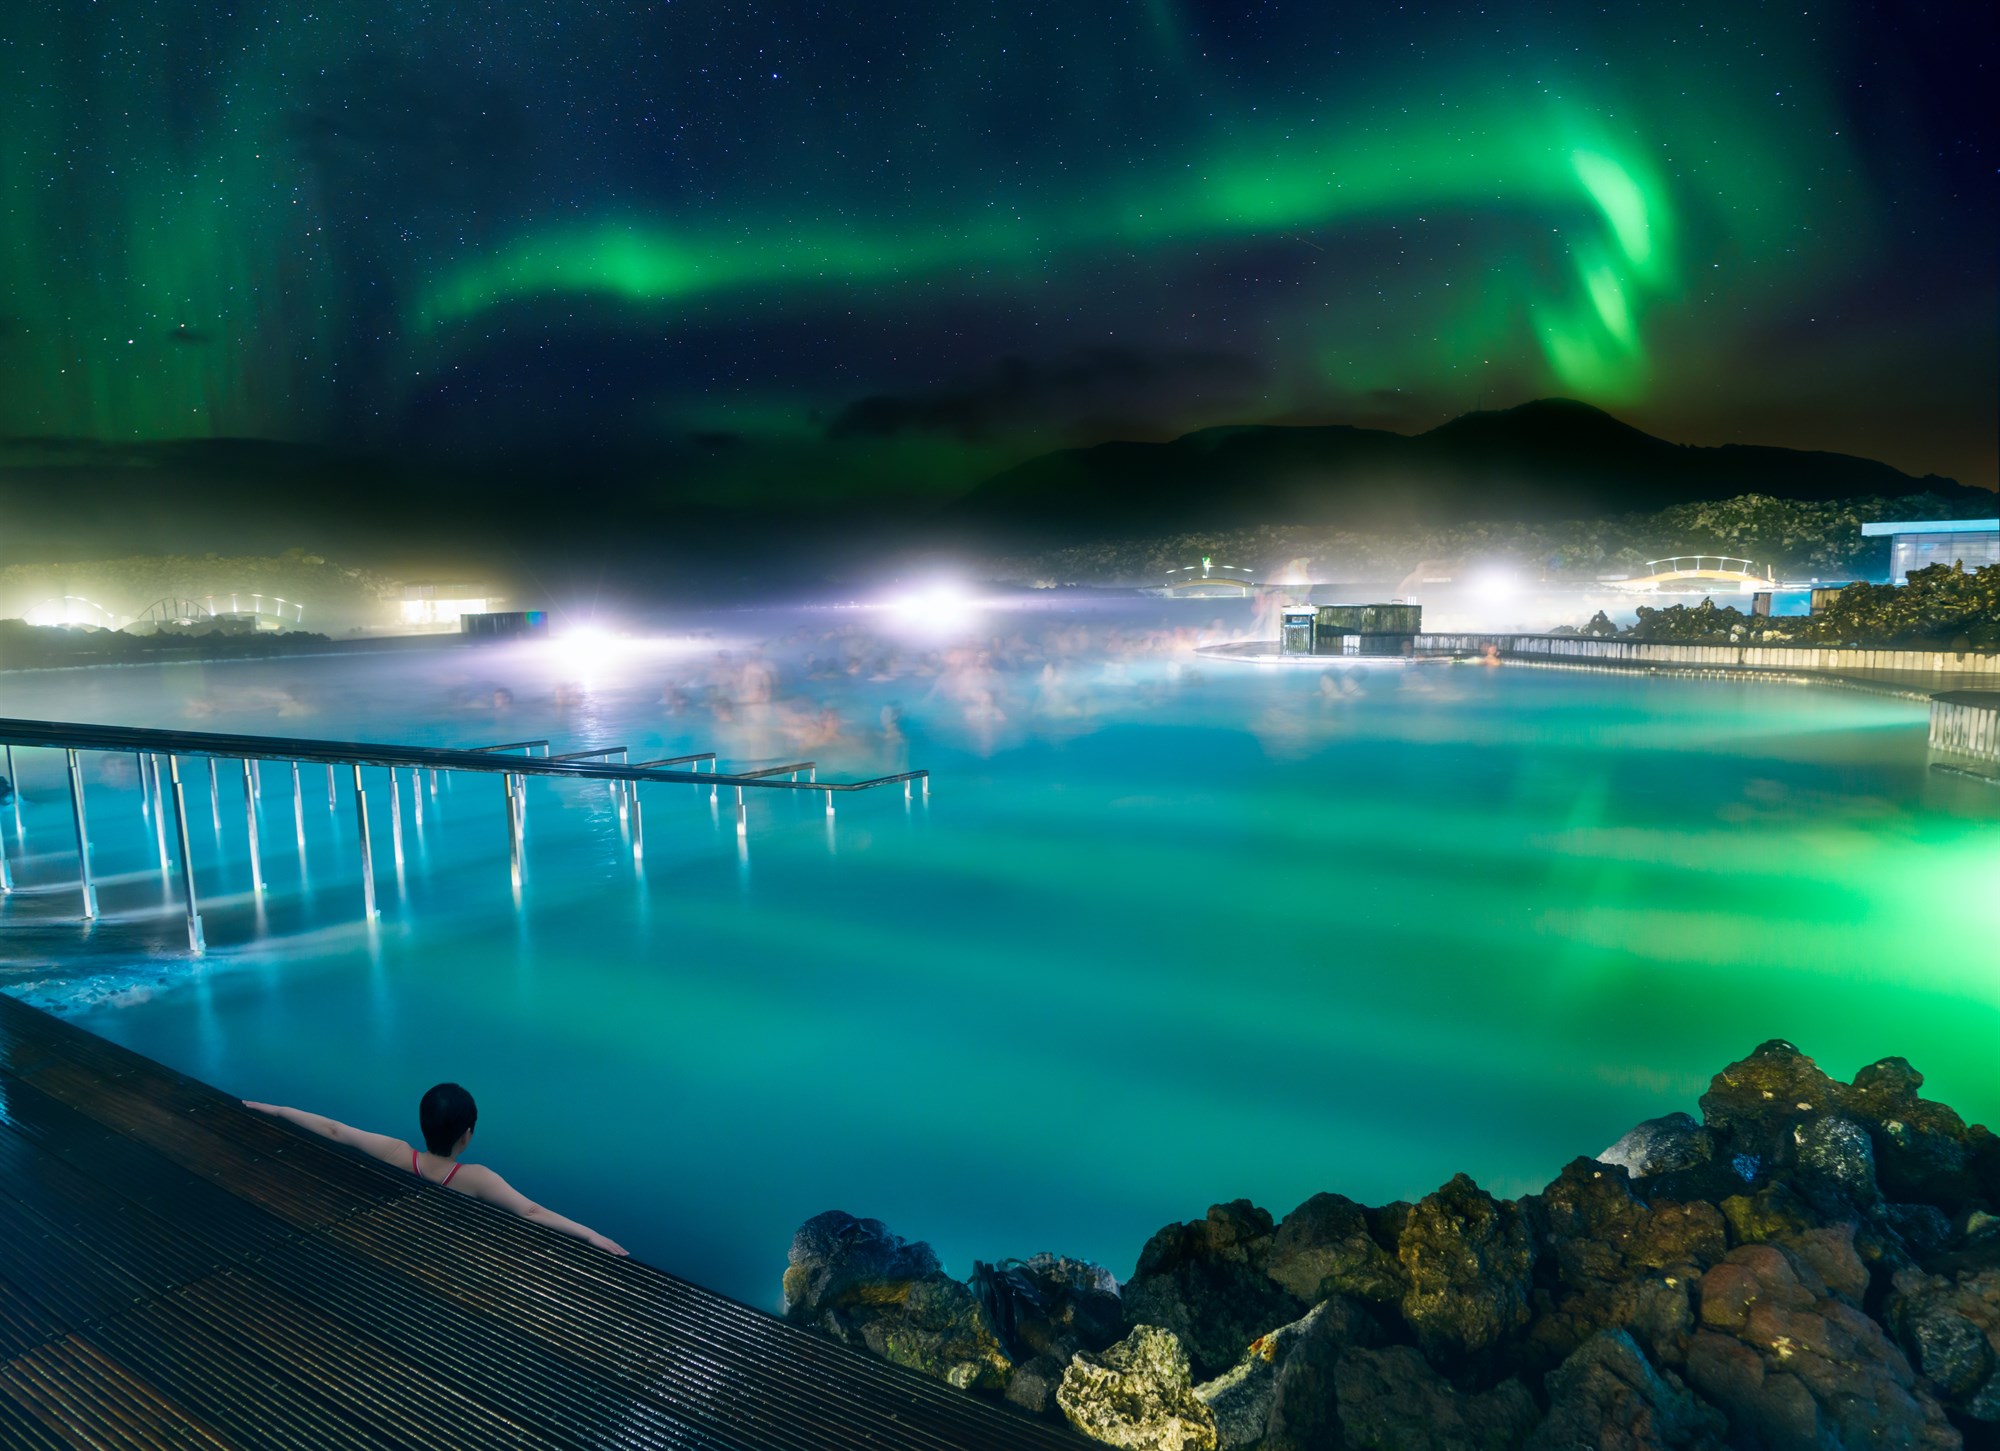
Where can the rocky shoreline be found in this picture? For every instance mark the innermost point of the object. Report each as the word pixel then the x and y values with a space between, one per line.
pixel 1811 1265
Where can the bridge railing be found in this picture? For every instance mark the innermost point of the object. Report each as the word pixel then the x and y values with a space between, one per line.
pixel 152 746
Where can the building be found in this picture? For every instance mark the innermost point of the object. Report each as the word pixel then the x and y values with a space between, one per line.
pixel 1920 543
pixel 506 625
pixel 443 604
pixel 1389 629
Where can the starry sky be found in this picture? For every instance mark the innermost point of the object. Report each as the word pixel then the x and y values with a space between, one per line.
pixel 764 251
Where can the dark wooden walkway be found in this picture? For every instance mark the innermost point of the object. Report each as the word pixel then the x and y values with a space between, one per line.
pixel 177 1271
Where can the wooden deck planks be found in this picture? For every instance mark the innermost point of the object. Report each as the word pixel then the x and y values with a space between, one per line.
pixel 177 1271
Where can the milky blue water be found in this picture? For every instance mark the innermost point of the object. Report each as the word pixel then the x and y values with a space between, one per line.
pixel 1167 931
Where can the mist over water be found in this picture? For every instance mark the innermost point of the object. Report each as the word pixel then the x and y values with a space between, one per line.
pixel 1169 930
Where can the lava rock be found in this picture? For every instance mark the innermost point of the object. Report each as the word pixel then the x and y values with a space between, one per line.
pixel 1609 1397
pixel 1466 1259
pixel 1391 1400
pixel 1834 1153
pixel 1612 1261
pixel 1305 1414
pixel 1951 1332
pixel 1050 1305
pixel 1137 1393
pixel 1794 1366
pixel 1754 1103
pixel 1925 1153
pixel 1207 1281
pixel 854 1281
pixel 1774 1215
pixel 1033 1384
pixel 837 1259
pixel 1662 1146
pixel 1243 1397
pixel 1325 1247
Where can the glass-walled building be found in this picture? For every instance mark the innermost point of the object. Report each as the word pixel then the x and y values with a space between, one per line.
pixel 1920 543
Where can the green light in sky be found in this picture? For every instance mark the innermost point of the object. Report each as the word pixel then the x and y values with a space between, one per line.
pixel 1274 184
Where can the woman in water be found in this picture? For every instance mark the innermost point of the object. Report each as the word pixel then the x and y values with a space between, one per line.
pixel 447 1115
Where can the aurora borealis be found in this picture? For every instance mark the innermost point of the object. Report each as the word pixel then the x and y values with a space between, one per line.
pixel 862 250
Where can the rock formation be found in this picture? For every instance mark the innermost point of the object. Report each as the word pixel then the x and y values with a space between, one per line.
pixel 1811 1264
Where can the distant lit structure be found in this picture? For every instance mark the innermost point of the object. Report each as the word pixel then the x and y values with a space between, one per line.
pixel 1920 543
pixel 72 610
pixel 265 612
pixel 506 625
pixel 444 604
pixel 1384 629
pixel 1235 583
pixel 1698 574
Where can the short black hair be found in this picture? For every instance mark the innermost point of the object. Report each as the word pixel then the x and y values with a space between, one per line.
pixel 446 1113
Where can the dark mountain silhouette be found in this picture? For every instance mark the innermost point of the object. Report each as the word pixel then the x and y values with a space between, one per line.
pixel 1551 459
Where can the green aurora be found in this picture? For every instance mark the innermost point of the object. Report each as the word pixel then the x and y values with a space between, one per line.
pixel 401 224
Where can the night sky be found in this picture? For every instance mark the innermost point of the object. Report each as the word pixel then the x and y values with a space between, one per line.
pixel 843 251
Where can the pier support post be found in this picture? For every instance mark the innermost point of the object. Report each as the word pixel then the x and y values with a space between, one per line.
pixel 159 810
pixel 330 801
pixel 513 827
pixel 829 803
pixel 742 817
pixel 250 819
pixel 367 852
pixel 195 943
pixel 396 814
pixel 417 795
pixel 638 826
pixel 214 796
pixel 82 837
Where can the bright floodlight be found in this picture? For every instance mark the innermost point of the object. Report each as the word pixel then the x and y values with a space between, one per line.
pixel 940 605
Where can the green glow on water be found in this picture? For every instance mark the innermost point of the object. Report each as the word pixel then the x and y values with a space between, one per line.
pixel 1161 937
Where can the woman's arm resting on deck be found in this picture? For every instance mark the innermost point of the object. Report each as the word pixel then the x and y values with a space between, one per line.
pixel 483 1184
pixel 380 1146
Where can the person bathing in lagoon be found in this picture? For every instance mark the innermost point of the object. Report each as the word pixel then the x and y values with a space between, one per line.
pixel 447 1114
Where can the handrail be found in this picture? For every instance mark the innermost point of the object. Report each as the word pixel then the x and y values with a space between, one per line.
pixel 676 760
pixel 776 770
pixel 512 746
pixel 68 735
pixel 586 755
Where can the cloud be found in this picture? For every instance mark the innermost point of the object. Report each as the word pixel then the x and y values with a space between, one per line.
pixel 1147 389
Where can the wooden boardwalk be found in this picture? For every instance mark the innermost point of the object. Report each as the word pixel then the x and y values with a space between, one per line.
pixel 177 1271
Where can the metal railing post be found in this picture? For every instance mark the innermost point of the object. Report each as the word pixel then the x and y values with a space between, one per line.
pixel 195 943
pixel 214 795
pixel 638 827
pixel 367 852
pixel 331 799
pixel 82 836
pixel 250 820
pixel 416 795
pixel 513 827
pixel 396 815
pixel 742 817
pixel 159 811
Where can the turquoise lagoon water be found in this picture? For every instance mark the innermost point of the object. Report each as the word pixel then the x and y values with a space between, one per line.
pixel 1168 930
